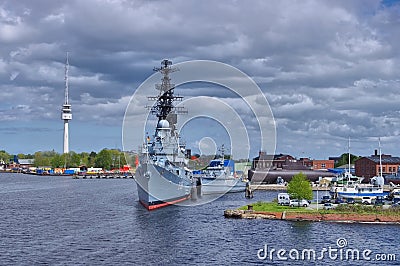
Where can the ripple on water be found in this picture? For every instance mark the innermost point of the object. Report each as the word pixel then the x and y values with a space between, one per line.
pixel 59 220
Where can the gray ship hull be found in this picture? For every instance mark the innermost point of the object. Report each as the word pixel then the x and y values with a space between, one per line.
pixel 221 185
pixel 158 187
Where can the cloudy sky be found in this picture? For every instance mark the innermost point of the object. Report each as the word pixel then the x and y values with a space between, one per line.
pixel 329 69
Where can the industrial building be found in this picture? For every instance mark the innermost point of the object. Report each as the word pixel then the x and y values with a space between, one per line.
pixel 368 167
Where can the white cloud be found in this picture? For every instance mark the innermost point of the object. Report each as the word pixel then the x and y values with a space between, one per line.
pixel 328 68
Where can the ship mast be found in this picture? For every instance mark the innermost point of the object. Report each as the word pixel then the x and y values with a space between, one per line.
pixel 380 158
pixel 349 157
pixel 164 108
pixel 222 155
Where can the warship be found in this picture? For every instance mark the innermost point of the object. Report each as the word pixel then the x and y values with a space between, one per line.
pixel 162 175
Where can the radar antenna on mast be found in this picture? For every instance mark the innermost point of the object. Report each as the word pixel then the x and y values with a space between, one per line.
pixel 164 107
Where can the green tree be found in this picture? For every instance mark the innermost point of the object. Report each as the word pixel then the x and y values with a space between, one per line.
pixel 122 159
pixel 118 158
pixel 84 158
pixel 104 159
pixel 344 159
pixel 91 159
pixel 300 188
pixel 21 156
pixel 4 156
pixel 42 159
pixel 25 156
pixel 74 159
pixel 57 161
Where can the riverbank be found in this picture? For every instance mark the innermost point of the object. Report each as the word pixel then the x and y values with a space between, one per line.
pixel 273 211
pixel 275 187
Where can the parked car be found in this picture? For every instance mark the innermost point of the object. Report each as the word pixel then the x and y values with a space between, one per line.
pixel 366 200
pixel 328 206
pixel 326 199
pixel 395 205
pixel 339 201
pixel 395 200
pixel 350 201
pixel 297 203
pixel 379 200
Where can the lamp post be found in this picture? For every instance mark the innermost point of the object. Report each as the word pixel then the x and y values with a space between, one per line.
pixel 317 192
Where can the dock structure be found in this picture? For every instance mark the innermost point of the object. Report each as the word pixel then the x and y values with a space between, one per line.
pixel 276 187
pixel 104 176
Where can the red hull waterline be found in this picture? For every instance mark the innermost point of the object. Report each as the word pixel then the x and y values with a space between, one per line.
pixel 164 204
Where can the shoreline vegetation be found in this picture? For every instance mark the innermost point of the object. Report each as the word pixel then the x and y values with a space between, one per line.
pixel 107 159
pixel 342 213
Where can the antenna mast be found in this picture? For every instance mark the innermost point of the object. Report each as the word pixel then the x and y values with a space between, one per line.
pixel 66 80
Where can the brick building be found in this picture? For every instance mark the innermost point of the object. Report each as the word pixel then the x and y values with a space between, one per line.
pixel 307 162
pixel 322 164
pixel 262 161
pixel 288 162
pixel 277 161
pixel 266 169
pixel 369 166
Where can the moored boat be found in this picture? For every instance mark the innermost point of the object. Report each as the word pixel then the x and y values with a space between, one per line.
pixel 350 186
pixel 161 176
pixel 393 178
pixel 219 177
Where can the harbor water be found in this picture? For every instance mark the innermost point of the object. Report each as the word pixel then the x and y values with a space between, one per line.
pixel 63 221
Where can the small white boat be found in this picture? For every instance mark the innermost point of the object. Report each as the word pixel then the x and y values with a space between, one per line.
pixel 349 186
pixel 219 177
pixel 358 191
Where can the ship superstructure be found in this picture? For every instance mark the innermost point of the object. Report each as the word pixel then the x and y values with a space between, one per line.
pixel 162 176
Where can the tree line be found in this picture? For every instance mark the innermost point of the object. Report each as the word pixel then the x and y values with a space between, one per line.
pixel 344 159
pixel 106 159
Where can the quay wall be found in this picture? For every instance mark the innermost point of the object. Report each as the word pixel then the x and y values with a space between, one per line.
pixel 314 217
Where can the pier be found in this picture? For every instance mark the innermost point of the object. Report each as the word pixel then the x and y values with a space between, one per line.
pixel 104 176
pixel 275 187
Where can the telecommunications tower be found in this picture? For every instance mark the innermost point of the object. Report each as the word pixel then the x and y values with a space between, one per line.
pixel 66 114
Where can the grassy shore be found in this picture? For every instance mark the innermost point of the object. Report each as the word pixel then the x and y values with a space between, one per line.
pixel 344 209
pixel 274 207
